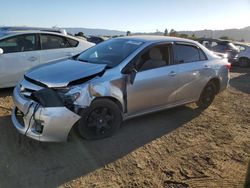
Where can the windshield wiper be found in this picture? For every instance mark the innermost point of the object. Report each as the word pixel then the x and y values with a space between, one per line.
pixel 84 60
pixel 108 66
pixel 87 61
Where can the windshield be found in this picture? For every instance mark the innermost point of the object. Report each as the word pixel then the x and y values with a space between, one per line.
pixel 111 52
pixel 2 34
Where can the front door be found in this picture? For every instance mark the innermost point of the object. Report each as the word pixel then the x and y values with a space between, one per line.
pixel 155 83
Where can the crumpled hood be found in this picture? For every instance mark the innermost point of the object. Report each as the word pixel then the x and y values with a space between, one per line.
pixel 61 73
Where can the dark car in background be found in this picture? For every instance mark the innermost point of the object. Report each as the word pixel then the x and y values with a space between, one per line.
pixel 244 55
pixel 222 46
pixel 96 39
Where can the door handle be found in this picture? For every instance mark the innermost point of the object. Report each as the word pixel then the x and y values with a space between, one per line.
pixel 32 58
pixel 206 67
pixel 172 73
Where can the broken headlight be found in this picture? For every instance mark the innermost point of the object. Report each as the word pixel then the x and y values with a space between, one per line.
pixel 73 94
pixel 70 95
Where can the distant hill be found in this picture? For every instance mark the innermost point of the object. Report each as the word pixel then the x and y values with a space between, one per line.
pixel 236 34
pixel 98 32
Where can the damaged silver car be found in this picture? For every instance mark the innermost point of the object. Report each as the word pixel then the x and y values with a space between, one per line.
pixel 115 80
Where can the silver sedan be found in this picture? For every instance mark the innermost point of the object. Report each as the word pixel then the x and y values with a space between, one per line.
pixel 113 81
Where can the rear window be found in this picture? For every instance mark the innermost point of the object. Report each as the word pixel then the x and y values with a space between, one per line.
pixel 241 48
pixel 189 53
pixel 49 41
pixel 220 47
pixel 227 45
pixel 72 42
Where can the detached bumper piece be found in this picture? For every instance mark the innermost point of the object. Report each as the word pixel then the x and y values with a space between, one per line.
pixel 42 123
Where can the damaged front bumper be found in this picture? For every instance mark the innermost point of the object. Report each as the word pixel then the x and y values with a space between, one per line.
pixel 47 124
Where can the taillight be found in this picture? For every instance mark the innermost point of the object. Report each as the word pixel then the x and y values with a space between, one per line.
pixel 229 66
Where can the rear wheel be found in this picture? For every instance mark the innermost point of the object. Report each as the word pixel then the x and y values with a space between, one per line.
pixel 244 62
pixel 100 120
pixel 207 96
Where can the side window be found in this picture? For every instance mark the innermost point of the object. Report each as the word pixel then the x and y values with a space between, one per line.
pixel 21 43
pixel 155 57
pixel 53 42
pixel 203 57
pixel 187 53
pixel 219 48
pixel 213 44
pixel 241 48
pixel 206 44
pixel 95 40
pixel 72 42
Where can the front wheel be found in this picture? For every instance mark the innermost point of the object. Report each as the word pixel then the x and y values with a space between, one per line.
pixel 100 120
pixel 207 96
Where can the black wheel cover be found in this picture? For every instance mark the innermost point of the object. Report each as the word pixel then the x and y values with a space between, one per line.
pixel 100 120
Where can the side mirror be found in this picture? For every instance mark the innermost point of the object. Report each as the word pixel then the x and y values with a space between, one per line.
pixel 1 51
pixel 132 75
pixel 131 71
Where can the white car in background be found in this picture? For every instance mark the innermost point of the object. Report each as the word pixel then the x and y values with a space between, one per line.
pixel 244 55
pixel 22 50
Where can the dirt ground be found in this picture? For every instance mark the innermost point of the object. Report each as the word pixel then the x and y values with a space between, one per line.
pixel 181 147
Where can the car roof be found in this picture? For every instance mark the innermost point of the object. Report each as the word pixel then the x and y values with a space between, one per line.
pixel 28 31
pixel 152 38
pixel 5 34
pixel 221 41
pixel 242 44
pixel 10 28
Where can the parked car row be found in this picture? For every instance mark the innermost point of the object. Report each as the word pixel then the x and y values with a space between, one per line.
pixel 96 39
pixel 237 53
pixel 54 30
pixel 221 46
pixel 91 38
pixel 244 55
pixel 113 81
pixel 20 50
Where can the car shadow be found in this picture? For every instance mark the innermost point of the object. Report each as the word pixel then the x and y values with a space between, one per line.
pixel 241 82
pixel 27 163
pixel 6 92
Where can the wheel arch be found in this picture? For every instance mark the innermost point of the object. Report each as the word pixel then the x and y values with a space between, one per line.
pixel 216 81
pixel 113 99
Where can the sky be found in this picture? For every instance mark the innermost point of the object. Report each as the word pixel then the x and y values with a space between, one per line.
pixel 127 15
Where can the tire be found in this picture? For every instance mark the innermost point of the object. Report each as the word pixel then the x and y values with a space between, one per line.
pixel 207 96
pixel 100 120
pixel 244 62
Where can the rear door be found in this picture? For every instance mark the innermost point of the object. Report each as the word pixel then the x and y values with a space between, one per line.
pixel 54 47
pixel 21 53
pixel 194 70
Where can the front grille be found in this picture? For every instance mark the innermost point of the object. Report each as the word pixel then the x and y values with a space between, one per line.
pixel 19 116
